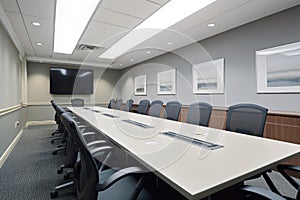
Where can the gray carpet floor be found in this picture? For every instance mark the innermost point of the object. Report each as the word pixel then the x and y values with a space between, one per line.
pixel 30 170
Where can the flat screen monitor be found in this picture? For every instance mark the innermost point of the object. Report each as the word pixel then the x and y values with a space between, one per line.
pixel 71 81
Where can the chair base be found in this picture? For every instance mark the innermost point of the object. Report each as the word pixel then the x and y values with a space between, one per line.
pixel 54 193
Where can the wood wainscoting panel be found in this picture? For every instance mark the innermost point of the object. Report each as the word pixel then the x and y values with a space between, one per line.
pixel 284 128
pixel 218 119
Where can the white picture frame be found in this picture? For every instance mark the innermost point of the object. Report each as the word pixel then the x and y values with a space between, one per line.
pixel 166 82
pixel 278 69
pixel 208 77
pixel 140 85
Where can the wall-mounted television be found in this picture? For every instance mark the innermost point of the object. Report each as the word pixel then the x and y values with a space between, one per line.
pixel 71 81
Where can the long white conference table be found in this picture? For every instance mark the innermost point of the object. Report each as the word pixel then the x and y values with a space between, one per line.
pixel 213 160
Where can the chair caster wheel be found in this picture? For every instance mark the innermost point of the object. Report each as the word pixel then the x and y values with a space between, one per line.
pixel 67 176
pixel 53 194
pixel 54 152
pixel 60 170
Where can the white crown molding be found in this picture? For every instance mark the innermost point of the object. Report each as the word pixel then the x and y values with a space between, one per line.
pixel 7 26
pixel 62 61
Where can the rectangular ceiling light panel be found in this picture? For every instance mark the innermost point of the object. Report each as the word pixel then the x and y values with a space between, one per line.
pixel 71 18
pixel 171 13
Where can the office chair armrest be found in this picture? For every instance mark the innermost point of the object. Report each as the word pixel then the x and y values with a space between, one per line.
pixel 261 192
pixel 105 149
pixel 96 142
pixel 117 176
pixel 283 167
pixel 88 133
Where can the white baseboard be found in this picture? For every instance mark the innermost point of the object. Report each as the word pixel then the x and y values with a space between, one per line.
pixel 46 122
pixel 10 148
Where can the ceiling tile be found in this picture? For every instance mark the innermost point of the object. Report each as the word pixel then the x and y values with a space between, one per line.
pixel 79 55
pixel 42 34
pixel 137 8
pixel 38 8
pixel 160 2
pixel 101 34
pixel 10 5
pixel 209 12
pixel 20 30
pixel 229 20
pixel 116 18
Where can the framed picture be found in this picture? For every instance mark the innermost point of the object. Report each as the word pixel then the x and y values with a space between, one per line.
pixel 140 87
pixel 278 69
pixel 166 82
pixel 208 77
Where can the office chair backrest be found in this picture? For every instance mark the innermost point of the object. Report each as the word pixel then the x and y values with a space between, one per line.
pixel 54 105
pixel 155 108
pixel 88 176
pixel 77 102
pixel 111 103
pixel 172 110
pixel 128 105
pixel 71 152
pixel 199 114
pixel 118 104
pixel 246 118
pixel 143 107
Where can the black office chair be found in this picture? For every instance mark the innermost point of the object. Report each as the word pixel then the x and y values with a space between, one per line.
pixel 54 105
pixel 247 119
pixel 199 114
pixel 128 105
pixel 71 156
pixel 77 102
pixel 59 111
pixel 172 110
pixel 111 103
pixel 95 183
pixel 118 104
pixel 155 108
pixel 143 107
pixel 253 192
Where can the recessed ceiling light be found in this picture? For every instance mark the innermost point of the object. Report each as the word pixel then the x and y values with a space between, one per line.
pixel 211 25
pixel 175 10
pixel 131 60
pixel 169 43
pixel 148 52
pixel 39 44
pixel 36 24
pixel 69 26
pixel 121 64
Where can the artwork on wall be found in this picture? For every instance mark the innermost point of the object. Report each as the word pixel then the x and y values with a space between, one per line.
pixel 208 77
pixel 140 87
pixel 278 69
pixel 166 82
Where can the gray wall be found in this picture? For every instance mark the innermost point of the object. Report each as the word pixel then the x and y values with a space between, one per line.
pixel 238 47
pixel 39 90
pixel 10 90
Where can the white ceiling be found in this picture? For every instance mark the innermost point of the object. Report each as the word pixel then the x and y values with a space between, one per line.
pixel 114 18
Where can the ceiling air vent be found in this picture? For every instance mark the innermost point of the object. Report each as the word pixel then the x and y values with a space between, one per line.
pixel 86 47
